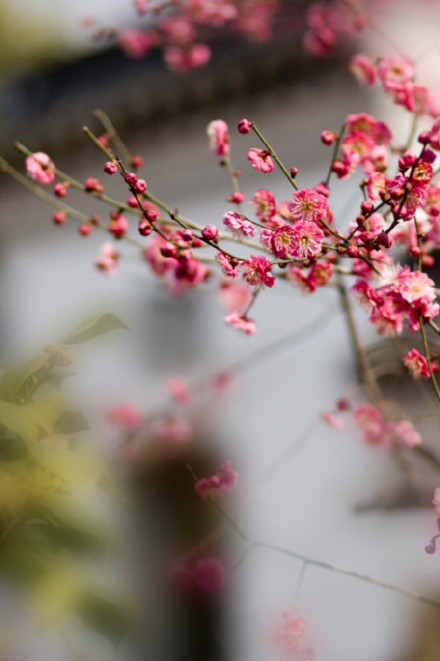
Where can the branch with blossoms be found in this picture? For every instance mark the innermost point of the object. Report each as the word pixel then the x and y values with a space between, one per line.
pixel 290 243
pixel 182 30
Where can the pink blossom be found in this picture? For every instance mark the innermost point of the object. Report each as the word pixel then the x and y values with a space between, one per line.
pixel 317 276
pixel 301 241
pixel 395 71
pixel 377 183
pixel 188 272
pixel 385 433
pixel 218 134
pixel 229 265
pixel 403 432
pixel 118 225
pixel 108 259
pixel 257 271
pixel 371 422
pixel 135 43
pixel 261 160
pixel 179 390
pixel 172 430
pixel 40 168
pixel 417 99
pixel 309 240
pixel 308 205
pixel 291 637
pixel 241 323
pixel 235 297
pixel 183 60
pixel 415 285
pixel 368 125
pixel 225 480
pixel 142 6
pixel 264 204
pixel 418 365
pixel 126 416
pixel 362 67
pixel 333 420
pixel 238 224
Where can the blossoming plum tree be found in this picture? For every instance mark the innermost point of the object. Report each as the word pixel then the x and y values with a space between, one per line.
pixel 380 258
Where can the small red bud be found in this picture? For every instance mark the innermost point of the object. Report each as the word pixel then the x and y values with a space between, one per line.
pixel 85 230
pixel 141 186
pixel 328 137
pixel 144 228
pixel 111 167
pixel 210 233
pixel 137 162
pixel 168 250
pixel 59 218
pixel 367 207
pixel 131 178
pixel 61 189
pixel 244 126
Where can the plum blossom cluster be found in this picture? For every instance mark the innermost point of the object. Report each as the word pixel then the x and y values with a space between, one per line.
pixel 410 298
pixel 184 29
pixel 397 75
pixel 264 241
pixel 224 481
pixel 379 431
pixel 376 427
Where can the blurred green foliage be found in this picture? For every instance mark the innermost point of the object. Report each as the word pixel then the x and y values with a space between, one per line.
pixel 46 532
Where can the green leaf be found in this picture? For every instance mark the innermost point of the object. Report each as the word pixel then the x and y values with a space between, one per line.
pixel 94 327
pixel 17 377
pixel 71 422
pixel 103 614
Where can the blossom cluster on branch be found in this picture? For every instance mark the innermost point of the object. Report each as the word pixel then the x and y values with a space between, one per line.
pixel 183 29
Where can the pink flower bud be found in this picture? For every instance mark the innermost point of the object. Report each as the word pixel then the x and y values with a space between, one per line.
pixel 144 228
pixel 168 250
pixel 141 186
pixel 131 178
pixel 59 218
pixel 328 137
pixel 137 162
pixel 85 230
pixel 244 126
pixel 210 233
pixel 111 167
pixel 40 168
pixel 60 189
pixel 118 226
pixel 367 207
pixel 93 185
pixel 236 198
